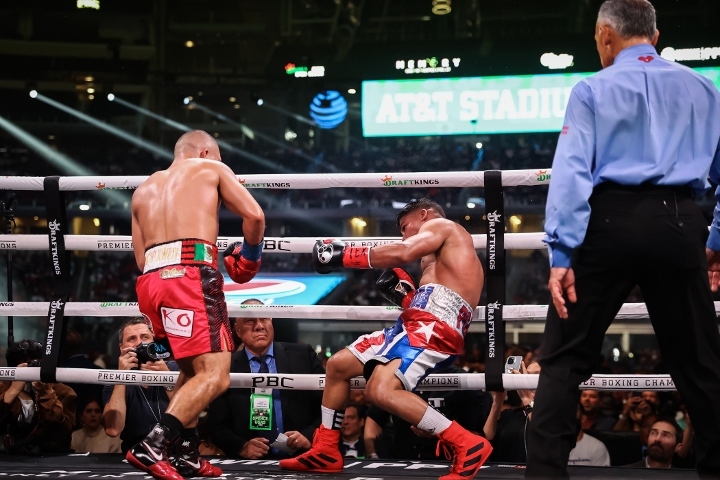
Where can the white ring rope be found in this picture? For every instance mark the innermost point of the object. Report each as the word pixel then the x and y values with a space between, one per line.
pixel 123 243
pixel 512 313
pixel 304 181
pixel 469 381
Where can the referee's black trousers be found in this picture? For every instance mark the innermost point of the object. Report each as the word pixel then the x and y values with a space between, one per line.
pixel 653 237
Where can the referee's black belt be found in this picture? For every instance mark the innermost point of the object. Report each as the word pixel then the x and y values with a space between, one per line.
pixel 645 188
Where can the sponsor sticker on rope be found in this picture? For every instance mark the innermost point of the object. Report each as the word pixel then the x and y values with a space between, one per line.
pixel 177 321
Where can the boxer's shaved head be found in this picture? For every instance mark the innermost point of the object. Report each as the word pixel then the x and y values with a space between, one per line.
pixel 197 144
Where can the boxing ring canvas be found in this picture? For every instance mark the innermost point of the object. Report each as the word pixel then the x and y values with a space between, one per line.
pixel 84 466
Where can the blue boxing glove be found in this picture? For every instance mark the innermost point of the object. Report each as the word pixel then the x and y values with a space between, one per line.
pixel 242 261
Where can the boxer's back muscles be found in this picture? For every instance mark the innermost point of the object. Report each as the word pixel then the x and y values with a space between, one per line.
pixel 183 202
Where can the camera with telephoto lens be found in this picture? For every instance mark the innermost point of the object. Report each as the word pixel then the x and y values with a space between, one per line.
pixel 151 352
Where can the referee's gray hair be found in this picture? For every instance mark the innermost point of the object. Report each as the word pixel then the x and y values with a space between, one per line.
pixel 629 18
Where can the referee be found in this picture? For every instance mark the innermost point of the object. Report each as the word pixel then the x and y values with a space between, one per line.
pixel 640 139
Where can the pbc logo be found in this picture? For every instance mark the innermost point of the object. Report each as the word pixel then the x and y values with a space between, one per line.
pixel 242 181
pixel 386 178
pixel 325 252
pixel 647 59
pixel 100 186
pixel 178 322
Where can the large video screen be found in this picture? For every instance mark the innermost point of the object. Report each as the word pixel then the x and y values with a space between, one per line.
pixel 465 106
pixel 283 289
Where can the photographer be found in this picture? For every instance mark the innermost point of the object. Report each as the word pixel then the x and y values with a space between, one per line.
pixel 132 410
pixel 635 410
pixel 35 417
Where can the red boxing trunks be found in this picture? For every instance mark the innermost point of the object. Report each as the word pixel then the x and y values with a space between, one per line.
pixel 181 292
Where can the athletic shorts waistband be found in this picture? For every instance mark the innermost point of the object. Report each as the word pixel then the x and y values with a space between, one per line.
pixel 184 251
pixel 444 303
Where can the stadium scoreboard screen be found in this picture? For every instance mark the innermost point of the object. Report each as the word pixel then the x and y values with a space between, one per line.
pixel 472 105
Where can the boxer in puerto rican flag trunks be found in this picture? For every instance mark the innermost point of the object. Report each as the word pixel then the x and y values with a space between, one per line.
pixel 174 231
pixel 428 336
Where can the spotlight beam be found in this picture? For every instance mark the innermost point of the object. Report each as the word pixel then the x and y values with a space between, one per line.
pixel 244 128
pixel 290 114
pixel 138 141
pixel 185 128
pixel 144 111
pixel 64 163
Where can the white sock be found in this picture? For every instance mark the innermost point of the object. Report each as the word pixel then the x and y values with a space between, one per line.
pixel 434 422
pixel 332 419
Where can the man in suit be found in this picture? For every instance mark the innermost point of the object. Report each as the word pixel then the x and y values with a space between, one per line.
pixel 296 414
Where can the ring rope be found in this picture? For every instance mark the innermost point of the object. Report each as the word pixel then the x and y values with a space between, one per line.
pixel 517 313
pixel 123 243
pixel 302 181
pixel 468 381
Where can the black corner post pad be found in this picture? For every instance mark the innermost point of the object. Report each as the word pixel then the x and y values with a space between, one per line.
pixel 59 265
pixel 495 274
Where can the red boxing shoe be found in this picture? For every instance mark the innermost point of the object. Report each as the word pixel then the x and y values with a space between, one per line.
pixel 197 468
pixel 144 457
pixel 467 450
pixel 324 456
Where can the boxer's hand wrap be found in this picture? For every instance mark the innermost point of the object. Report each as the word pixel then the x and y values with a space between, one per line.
pixel 242 261
pixel 329 255
pixel 396 286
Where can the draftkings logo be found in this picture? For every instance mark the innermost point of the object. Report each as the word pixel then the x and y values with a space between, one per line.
pixel 490 326
pixel 54 227
pixel 388 181
pixel 492 218
pixel 542 176
pixel 264 184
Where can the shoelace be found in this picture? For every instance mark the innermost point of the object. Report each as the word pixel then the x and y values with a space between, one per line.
pixel 449 452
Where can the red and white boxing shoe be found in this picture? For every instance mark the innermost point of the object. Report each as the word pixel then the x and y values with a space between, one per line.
pixel 324 456
pixel 150 455
pixel 467 450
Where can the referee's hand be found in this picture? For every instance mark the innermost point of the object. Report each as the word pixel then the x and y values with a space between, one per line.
pixel 563 280
pixel 713 259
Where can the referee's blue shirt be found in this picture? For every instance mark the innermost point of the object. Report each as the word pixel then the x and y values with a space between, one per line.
pixel 643 119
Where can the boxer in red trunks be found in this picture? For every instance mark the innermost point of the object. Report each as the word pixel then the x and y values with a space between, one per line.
pixel 174 231
pixel 428 335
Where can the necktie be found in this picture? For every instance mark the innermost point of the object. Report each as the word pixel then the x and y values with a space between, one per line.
pixel 269 434
pixel 263 365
